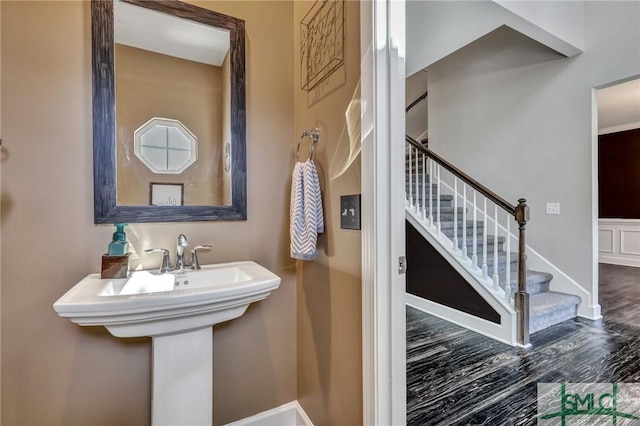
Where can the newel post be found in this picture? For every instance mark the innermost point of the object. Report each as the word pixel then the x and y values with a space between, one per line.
pixel 521 301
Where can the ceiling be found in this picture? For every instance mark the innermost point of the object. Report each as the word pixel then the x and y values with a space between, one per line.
pixel 158 32
pixel 619 106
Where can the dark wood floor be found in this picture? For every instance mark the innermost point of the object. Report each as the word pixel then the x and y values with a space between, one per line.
pixel 458 377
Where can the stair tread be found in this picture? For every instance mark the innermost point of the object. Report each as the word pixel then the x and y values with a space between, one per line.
pixel 534 277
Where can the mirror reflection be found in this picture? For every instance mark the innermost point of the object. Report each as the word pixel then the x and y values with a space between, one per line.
pixel 165 146
pixel 172 89
pixel 169 119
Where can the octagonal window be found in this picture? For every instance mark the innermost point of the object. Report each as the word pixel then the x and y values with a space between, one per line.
pixel 165 146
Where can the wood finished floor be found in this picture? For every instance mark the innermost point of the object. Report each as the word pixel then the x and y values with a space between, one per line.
pixel 458 377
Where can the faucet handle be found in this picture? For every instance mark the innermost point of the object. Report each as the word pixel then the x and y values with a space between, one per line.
pixel 194 256
pixel 166 260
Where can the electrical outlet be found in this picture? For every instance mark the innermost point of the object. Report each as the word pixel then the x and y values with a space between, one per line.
pixel 553 208
pixel 350 211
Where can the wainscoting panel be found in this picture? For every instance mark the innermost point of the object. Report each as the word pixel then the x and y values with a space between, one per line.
pixel 619 241
pixel 606 240
pixel 630 242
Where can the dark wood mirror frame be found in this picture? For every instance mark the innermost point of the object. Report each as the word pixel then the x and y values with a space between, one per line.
pixel 106 209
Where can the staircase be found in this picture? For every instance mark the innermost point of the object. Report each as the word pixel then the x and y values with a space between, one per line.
pixel 462 217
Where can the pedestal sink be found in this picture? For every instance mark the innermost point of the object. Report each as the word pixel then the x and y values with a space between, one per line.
pixel 177 310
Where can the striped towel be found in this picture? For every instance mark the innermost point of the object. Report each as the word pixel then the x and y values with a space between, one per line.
pixel 307 218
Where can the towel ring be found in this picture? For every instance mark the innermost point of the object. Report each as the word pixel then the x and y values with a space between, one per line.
pixel 314 134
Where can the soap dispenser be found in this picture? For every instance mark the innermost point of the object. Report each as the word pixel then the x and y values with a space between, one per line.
pixel 119 246
pixel 115 264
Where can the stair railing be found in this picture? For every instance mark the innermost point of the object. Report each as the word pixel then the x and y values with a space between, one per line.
pixel 425 187
pixel 417 101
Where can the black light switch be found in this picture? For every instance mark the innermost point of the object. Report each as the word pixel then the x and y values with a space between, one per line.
pixel 350 211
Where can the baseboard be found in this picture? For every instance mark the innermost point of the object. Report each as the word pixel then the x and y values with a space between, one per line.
pixel 289 414
pixel 470 322
pixel 613 260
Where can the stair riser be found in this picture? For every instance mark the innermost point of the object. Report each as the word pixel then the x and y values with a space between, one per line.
pixel 502 265
pixel 444 203
pixel 434 194
pixel 540 323
pixel 532 288
pixel 447 217
pixel 479 246
pixel 447 229
pixel 445 210
pixel 412 184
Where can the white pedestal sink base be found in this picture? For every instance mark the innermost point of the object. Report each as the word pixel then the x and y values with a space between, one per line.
pixel 183 379
pixel 178 311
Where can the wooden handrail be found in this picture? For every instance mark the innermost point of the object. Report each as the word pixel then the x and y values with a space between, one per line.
pixel 501 202
pixel 417 101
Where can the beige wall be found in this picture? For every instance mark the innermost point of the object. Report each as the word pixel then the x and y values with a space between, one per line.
pixel 150 84
pixel 57 373
pixel 329 288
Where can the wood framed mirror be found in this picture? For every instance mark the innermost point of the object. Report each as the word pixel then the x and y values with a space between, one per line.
pixel 222 155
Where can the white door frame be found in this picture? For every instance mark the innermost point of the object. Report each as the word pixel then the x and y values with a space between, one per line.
pixel 383 241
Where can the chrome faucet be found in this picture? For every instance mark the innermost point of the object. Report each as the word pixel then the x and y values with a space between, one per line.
pixel 165 267
pixel 195 265
pixel 180 264
pixel 182 243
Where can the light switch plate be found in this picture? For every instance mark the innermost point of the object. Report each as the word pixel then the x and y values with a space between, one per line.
pixel 553 208
pixel 350 211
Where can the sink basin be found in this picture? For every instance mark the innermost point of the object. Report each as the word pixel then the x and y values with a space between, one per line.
pixel 148 303
pixel 178 311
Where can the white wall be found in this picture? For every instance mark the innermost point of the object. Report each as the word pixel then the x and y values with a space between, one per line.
pixel 565 19
pixel 517 116
pixel 435 29
pixel 416 118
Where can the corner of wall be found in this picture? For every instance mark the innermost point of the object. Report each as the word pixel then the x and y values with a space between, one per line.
pixel 329 287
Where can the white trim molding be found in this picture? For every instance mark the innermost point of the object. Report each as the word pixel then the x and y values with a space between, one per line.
pixel 289 414
pixel 382 159
pixel 621 128
pixel 619 242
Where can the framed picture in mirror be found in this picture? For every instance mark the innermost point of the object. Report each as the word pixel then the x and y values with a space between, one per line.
pixel 166 194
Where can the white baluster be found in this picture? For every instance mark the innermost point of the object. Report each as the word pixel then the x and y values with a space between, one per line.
pixel 430 192
pixel 484 240
pixel 424 172
pixel 507 287
pixel 496 278
pixel 474 239
pixel 464 220
pixel 455 215
pixel 417 196
pixel 439 227
pixel 410 177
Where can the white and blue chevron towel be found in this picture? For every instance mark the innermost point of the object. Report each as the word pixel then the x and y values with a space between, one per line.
pixel 307 218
